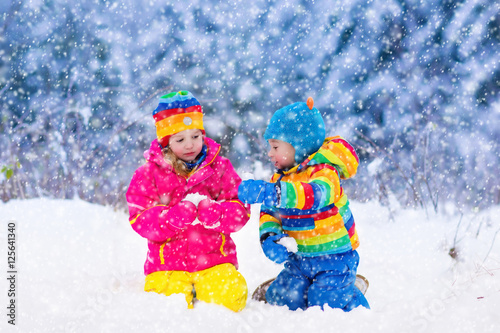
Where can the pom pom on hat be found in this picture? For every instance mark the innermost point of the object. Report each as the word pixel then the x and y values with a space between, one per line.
pixel 299 124
pixel 310 103
pixel 176 112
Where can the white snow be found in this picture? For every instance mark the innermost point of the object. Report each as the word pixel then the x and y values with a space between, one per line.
pixel 80 270
pixel 195 198
pixel 374 166
pixel 289 243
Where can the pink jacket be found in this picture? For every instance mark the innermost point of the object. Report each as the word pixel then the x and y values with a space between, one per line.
pixel 155 187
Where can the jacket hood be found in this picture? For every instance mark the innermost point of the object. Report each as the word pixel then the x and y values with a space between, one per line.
pixel 337 152
pixel 154 154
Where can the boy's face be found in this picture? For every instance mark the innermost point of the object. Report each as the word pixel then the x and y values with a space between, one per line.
pixel 187 144
pixel 282 154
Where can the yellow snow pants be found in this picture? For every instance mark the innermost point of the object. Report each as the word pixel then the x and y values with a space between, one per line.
pixel 221 284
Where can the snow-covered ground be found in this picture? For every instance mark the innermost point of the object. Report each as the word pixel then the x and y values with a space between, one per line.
pixel 80 270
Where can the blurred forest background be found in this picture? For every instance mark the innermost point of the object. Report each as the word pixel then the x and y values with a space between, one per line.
pixel 414 85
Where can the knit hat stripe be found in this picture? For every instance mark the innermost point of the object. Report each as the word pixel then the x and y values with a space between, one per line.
pixel 171 112
pixel 178 123
pixel 176 96
pixel 175 103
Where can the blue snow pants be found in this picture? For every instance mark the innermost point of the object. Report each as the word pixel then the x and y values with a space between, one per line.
pixel 310 281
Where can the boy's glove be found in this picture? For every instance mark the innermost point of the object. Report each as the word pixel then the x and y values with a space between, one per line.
pixel 275 252
pixel 181 215
pixel 258 191
pixel 209 212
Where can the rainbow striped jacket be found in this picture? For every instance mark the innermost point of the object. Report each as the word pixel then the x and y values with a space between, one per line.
pixel 313 207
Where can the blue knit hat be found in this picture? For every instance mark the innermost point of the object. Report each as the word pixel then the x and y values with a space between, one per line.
pixel 299 124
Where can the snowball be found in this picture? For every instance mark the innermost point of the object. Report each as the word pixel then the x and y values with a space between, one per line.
pixel 289 243
pixel 195 198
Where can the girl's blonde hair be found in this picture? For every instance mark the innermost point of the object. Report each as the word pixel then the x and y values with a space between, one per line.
pixel 179 165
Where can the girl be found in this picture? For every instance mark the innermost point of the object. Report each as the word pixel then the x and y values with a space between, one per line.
pixel 184 202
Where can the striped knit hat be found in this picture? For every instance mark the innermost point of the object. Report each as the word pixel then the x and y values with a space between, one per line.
pixel 177 112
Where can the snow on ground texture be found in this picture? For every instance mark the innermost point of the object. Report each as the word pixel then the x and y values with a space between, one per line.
pixel 80 270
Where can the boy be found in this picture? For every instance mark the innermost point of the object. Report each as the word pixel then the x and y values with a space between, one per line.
pixel 305 201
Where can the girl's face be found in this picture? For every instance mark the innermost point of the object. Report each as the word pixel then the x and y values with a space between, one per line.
pixel 282 154
pixel 187 144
